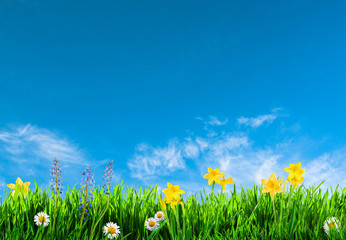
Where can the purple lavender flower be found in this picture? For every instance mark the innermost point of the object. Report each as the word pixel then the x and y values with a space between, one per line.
pixel 56 178
pixel 87 192
pixel 107 178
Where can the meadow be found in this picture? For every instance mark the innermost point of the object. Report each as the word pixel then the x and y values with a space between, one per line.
pixel 286 212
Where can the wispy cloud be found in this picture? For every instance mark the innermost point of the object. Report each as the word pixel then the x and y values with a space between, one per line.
pixel 213 121
pixel 329 167
pixel 32 144
pixel 149 160
pixel 256 122
pixel 191 149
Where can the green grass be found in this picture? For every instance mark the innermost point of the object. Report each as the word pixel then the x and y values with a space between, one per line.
pixel 245 214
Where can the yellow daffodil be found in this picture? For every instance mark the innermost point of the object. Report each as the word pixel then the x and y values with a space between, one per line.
pixel 172 191
pixel 272 185
pixel 295 169
pixel 224 182
pixel 21 187
pixel 173 200
pixel 213 175
pixel 295 179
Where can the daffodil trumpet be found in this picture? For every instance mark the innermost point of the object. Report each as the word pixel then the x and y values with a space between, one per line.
pixel 19 188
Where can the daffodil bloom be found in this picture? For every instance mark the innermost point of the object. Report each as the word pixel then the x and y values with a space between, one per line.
pixel 272 185
pixel 295 179
pixel 213 175
pixel 223 182
pixel 295 169
pixel 172 190
pixel 173 200
pixel 21 187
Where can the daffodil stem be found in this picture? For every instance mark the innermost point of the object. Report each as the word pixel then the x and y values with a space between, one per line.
pixel 184 222
pixel 168 225
pixel 176 213
pixel 283 190
pixel 172 228
pixel 212 192
pixel 274 211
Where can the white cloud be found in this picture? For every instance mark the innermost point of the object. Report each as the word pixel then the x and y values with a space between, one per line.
pixel 25 143
pixel 227 143
pixel 267 165
pixel 214 121
pixel 275 110
pixel 210 123
pixel 203 144
pixel 220 152
pixel 329 167
pixel 116 178
pixel 149 161
pixel 211 133
pixel 256 122
pixel 191 149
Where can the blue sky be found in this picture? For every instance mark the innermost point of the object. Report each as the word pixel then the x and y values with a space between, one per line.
pixel 168 89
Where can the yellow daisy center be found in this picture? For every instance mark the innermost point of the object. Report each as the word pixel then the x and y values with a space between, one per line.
pixel 111 230
pixel 41 218
pixel 151 223
pixel 159 215
pixel 331 225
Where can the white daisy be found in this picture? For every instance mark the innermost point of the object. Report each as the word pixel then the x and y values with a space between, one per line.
pixel 112 230
pixel 151 224
pixel 331 223
pixel 40 218
pixel 159 216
